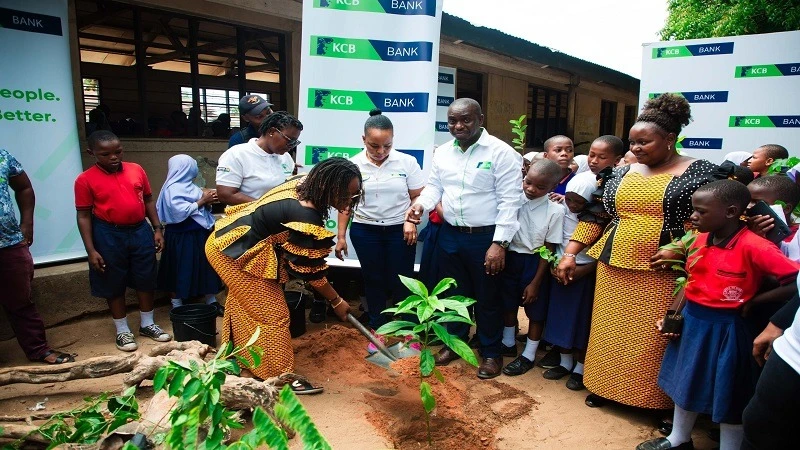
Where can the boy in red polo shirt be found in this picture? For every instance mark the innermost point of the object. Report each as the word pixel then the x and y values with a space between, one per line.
pixel 708 367
pixel 112 200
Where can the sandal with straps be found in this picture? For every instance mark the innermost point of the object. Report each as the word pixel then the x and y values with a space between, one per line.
pixel 61 358
pixel 300 385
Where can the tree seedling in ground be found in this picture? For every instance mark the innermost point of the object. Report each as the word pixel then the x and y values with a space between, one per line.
pixel 520 130
pixel 432 313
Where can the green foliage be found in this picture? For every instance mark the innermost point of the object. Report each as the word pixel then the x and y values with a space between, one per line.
pixel 547 255
pixel 520 130
pixel 694 19
pixel 432 312
pixel 681 248
pixel 89 422
pixel 197 388
pixel 780 166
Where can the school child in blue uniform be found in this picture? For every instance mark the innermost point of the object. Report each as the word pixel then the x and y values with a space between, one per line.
pixel 708 367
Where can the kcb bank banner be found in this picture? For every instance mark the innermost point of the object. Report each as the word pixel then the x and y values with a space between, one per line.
pixel 744 90
pixel 37 118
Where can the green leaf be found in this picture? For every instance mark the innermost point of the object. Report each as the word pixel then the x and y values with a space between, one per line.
pixel 176 384
pixel 426 362
pixel 444 285
pixel 455 344
pixel 426 394
pixel 243 362
pixel 438 374
pixel 424 312
pixel 256 356
pixel 393 326
pixel 224 350
pixel 455 318
pixel 466 301
pixel 291 412
pixel 160 378
pixel 415 286
pixel 435 303
pixel 254 337
pixel 192 387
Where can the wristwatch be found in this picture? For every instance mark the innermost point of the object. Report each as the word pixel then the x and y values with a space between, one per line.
pixel 503 244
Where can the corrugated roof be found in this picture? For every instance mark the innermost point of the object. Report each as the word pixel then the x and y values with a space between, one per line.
pixel 499 42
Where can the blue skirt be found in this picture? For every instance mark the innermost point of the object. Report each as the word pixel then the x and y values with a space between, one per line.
pixel 184 269
pixel 519 270
pixel 710 368
pixel 570 313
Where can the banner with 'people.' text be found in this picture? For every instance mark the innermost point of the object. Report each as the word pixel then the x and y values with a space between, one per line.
pixel 37 119
pixel 744 90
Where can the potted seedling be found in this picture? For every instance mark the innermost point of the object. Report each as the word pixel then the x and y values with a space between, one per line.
pixel 432 313
pixel 681 248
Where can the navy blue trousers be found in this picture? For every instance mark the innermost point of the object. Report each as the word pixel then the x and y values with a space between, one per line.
pixel 461 256
pixel 383 255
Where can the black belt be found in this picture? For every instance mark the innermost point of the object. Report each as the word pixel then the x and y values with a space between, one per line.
pixel 473 230
pixel 121 227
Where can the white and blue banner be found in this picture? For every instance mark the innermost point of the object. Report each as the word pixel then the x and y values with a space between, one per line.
pixel 445 95
pixel 37 118
pixel 744 90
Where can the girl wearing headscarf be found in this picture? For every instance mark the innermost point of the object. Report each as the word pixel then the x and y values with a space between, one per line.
pixel 184 208
pixel 581 164
pixel 570 312
pixel 738 158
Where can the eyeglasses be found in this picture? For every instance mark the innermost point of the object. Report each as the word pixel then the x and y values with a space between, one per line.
pixel 290 143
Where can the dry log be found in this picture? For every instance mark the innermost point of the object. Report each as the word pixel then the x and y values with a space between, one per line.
pixel 28 432
pixel 160 355
pixel 245 393
pixel 29 417
pixel 101 366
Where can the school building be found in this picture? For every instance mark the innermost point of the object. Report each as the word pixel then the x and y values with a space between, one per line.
pixel 165 71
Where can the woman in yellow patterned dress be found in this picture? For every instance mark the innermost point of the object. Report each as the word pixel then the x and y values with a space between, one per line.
pixel 649 204
pixel 258 245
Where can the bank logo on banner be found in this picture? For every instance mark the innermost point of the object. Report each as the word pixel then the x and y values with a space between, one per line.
pixel 406 8
pixel 367 101
pixel 372 49
pixel 317 153
pixel 680 51
pixel 700 97
pixel 767 70
pixel 764 122
pixel 447 78
pixel 26 21
pixel 700 143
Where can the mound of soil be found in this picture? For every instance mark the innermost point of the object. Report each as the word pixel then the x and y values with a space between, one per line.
pixel 468 413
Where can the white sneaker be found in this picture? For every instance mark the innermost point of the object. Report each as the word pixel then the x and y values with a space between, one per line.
pixel 126 342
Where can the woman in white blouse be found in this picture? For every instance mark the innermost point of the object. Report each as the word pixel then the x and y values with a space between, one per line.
pixel 384 242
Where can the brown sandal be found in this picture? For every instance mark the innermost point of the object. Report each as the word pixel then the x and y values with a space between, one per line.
pixel 61 358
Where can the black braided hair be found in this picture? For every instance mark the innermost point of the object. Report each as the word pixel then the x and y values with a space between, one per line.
pixel 280 120
pixel 670 112
pixel 378 121
pixel 100 136
pixel 728 192
pixel 616 144
pixel 327 184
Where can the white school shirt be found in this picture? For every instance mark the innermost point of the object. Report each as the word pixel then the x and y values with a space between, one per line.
pixel 788 345
pixel 792 248
pixel 540 221
pixel 478 187
pixel 252 170
pixel 570 223
pixel 386 187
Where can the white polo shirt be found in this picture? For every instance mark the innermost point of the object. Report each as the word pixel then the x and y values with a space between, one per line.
pixel 788 345
pixel 252 170
pixel 540 221
pixel 478 187
pixel 386 187
pixel 570 224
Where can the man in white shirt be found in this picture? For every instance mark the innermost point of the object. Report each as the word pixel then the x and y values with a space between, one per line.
pixel 477 178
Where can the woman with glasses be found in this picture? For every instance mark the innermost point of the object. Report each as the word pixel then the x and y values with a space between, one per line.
pixel 384 242
pixel 247 171
pixel 259 245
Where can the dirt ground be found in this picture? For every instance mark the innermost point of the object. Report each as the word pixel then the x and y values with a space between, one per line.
pixel 368 407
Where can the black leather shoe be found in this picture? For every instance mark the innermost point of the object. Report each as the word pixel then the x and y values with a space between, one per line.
pixel 550 360
pixel 317 313
pixel 518 366
pixel 556 373
pixel 663 444
pixel 664 426
pixel 595 401
pixel 575 382
pixel 508 351
pixel 445 356
pixel 490 367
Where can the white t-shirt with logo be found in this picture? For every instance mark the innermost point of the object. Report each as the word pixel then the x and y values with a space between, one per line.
pixel 252 170
pixel 386 187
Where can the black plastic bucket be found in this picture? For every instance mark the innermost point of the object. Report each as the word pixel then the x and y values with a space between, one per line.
pixel 297 313
pixel 195 322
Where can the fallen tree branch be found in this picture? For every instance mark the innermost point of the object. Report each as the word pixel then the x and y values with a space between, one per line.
pixel 32 416
pixel 101 366
pixel 27 432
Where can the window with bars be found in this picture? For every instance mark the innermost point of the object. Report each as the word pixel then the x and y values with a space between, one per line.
pixel 548 114
pixel 214 102
pixel 91 95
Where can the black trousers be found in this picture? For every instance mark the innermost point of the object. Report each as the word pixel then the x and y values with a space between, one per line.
pixel 772 418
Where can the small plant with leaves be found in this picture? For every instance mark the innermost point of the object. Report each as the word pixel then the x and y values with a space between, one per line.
pixel 520 129
pixel 547 255
pixel 782 165
pixel 89 422
pixel 673 321
pixel 432 312
pixel 197 387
